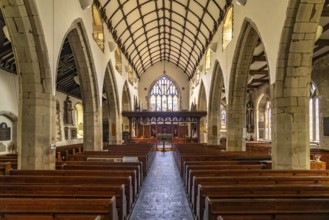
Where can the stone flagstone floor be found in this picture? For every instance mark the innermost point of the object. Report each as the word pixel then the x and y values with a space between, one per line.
pixel 163 196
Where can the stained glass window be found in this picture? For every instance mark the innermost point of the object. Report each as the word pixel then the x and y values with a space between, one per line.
pixel 164 96
pixel 222 117
pixel 268 119
pixel 314 114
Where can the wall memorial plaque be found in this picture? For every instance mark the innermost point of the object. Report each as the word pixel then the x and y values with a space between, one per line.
pixel 4 132
pixel 326 126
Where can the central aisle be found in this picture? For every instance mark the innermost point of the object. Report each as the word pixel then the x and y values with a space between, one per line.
pixel 163 195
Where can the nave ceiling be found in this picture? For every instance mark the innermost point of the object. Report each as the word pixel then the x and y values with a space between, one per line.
pixel 148 31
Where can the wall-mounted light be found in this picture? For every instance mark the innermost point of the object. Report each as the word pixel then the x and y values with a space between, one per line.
pixel 86 4
pixel 241 2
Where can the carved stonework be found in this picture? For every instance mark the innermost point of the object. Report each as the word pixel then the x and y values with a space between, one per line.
pixel 68 119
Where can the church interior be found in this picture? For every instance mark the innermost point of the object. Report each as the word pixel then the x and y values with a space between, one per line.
pixel 164 109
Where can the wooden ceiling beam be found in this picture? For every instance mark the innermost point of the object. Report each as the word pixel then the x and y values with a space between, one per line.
pixel 259 58
pixel 325 12
pixel 322 42
pixel 258 72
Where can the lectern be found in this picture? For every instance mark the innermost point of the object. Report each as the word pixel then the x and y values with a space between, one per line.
pixel 164 138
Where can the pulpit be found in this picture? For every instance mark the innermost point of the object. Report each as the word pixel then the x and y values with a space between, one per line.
pixel 164 138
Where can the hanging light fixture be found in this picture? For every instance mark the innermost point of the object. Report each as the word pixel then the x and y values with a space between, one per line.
pixel 85 4
pixel 241 2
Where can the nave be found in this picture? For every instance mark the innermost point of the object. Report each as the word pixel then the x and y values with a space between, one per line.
pixel 163 195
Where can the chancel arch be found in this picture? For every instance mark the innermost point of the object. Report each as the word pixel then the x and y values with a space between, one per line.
pixel 35 78
pixel 111 116
pixel 76 77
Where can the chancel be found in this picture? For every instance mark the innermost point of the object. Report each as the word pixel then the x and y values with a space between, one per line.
pixel 212 109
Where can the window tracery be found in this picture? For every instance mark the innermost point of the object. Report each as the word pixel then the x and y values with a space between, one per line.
pixel 164 96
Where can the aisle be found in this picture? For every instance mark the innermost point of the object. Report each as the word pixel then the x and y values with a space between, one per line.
pixel 162 196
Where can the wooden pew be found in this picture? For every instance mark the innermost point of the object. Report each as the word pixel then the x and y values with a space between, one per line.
pixel 136 166
pixel 191 168
pixel 69 191
pixel 224 156
pixel 230 162
pixel 209 175
pixel 12 158
pixel 257 180
pixel 46 209
pixel 103 154
pixel 266 209
pixel 5 168
pixel 104 173
pixel 63 152
pixel 253 192
pixel 72 180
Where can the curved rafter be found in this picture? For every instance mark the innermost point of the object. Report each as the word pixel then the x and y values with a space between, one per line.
pixel 150 31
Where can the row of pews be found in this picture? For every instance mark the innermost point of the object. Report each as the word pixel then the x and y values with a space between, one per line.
pixel 236 185
pixel 88 185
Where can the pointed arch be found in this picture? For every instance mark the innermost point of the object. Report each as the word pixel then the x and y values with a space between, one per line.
pixel 113 117
pixel 202 106
pixel 37 101
pixel 214 105
pixel 236 114
pixel 202 99
pixel 290 113
pixel 79 43
pixel 126 98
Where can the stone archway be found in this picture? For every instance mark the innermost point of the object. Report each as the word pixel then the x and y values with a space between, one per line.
pixel 36 129
pixel 290 114
pixel 202 106
pixel 216 90
pixel 126 106
pixel 92 138
pixel 236 109
pixel 112 117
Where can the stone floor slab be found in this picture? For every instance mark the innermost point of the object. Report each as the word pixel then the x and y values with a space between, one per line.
pixel 163 195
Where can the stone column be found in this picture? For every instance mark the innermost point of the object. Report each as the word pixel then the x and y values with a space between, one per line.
pixel 35 130
pixel 290 113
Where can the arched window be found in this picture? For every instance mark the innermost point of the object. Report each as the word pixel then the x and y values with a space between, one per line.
pixel 228 27
pixel 314 115
pixel 268 119
pixel 118 60
pixel 222 117
pixel 79 119
pixel 98 32
pixel 164 96
pixel 208 60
